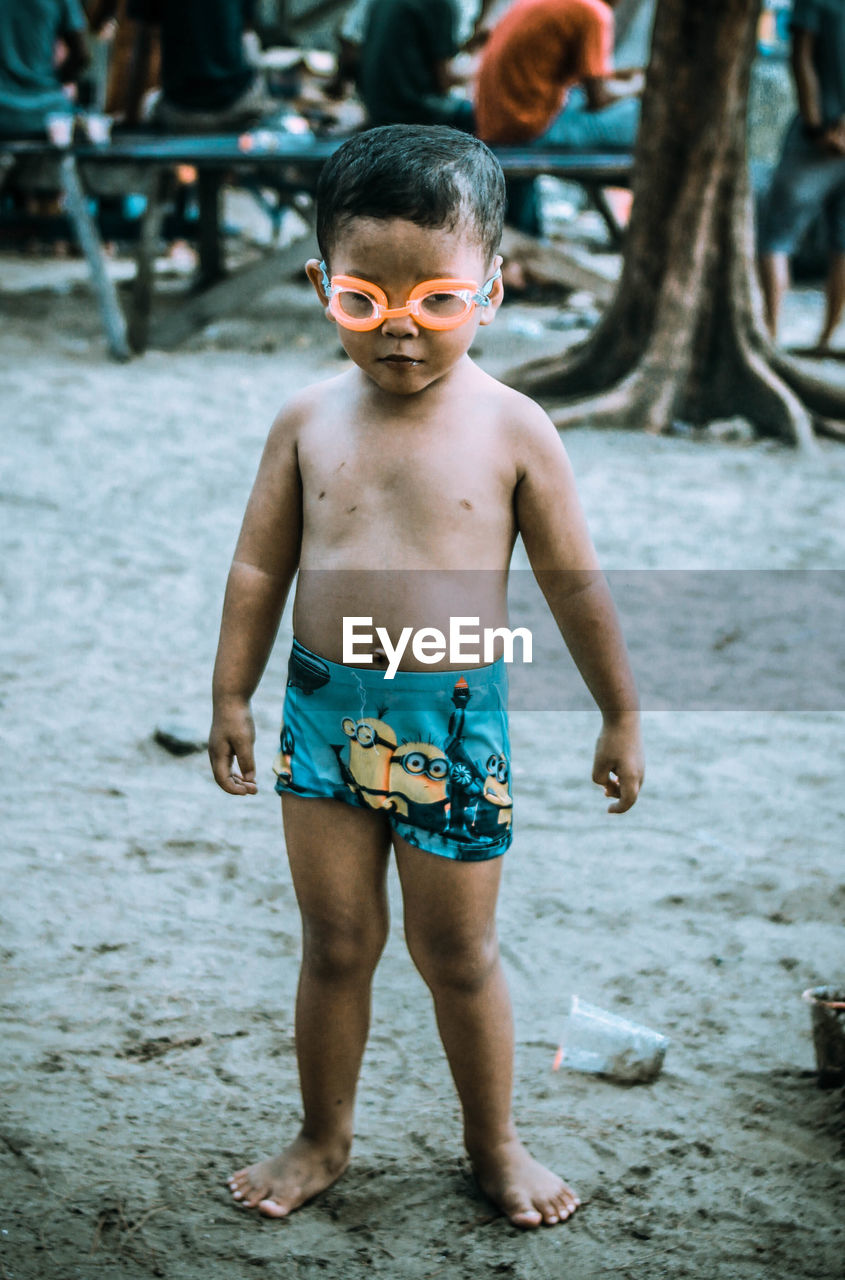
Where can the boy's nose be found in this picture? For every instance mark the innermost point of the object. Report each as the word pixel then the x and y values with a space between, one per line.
pixel 402 326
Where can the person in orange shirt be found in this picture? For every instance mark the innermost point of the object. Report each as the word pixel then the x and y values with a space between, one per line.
pixel 546 78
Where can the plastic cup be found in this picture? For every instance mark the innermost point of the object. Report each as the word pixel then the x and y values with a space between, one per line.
pixel 828 1011
pixel 605 1044
pixel 60 128
pixel 98 128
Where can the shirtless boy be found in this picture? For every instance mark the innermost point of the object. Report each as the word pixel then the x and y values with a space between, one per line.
pixel 397 490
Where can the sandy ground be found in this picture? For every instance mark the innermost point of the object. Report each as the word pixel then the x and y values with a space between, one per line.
pixel 148 927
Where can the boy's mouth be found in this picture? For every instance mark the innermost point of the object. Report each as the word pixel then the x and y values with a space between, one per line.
pixel 397 358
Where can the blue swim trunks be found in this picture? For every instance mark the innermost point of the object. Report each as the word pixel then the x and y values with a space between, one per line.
pixel 429 749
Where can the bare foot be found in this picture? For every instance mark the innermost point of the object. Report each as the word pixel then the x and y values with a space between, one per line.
pixel 278 1186
pixel 525 1191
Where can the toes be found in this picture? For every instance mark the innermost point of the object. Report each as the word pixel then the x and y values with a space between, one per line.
pixel 526 1216
pixel 244 1192
pixel 570 1200
pixel 253 1198
pixel 238 1184
pixel 272 1209
pixel 565 1204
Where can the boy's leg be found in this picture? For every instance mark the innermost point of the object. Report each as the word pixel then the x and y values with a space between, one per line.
pixel 451 933
pixel 338 856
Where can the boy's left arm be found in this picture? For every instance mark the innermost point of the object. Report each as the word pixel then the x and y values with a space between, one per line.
pixel 564 561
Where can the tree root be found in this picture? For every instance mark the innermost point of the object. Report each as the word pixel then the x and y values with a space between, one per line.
pixel 648 400
pixel 770 403
pixel 820 396
pixel 828 428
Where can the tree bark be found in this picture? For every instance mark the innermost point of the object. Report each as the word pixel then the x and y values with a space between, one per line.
pixel 684 337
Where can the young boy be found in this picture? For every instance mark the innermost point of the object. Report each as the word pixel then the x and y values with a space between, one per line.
pixel 397 490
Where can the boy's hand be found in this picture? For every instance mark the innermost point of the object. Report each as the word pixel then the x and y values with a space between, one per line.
pixel 619 765
pixel 231 738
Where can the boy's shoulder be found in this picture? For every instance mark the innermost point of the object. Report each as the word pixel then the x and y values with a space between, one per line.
pixel 526 423
pixel 309 402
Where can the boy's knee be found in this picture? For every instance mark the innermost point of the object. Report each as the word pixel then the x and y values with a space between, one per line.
pixel 333 949
pixel 456 963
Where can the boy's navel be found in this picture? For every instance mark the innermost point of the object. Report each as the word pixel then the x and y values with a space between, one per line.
pixel 465 502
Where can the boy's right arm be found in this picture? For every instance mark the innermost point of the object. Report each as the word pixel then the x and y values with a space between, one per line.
pixel 263 568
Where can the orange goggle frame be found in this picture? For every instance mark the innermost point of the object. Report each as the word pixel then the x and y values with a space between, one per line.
pixel 465 291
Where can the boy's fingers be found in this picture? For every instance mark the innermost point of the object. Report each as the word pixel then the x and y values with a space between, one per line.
pixel 246 777
pixel 627 790
pixel 623 788
pixel 604 777
pixel 222 757
pixel 246 759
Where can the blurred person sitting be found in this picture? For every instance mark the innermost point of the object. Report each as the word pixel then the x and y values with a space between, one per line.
pixel 405 70
pixel 547 79
pixel 116 40
pixel 810 175
pixel 31 82
pixel 350 36
pixel 208 82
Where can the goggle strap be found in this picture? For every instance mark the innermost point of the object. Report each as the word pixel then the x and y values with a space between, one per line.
pixel 483 295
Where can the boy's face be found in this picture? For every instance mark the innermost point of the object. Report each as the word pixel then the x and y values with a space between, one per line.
pixel 401 356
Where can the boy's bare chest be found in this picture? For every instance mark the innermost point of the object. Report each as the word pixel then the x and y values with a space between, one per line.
pixel 439 473
pixel 404 489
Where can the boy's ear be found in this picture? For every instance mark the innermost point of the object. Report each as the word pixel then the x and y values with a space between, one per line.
pixel 315 275
pixel 497 292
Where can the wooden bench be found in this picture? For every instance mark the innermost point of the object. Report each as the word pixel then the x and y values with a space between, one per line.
pixel 286 163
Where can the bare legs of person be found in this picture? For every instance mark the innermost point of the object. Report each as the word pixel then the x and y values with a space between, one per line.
pixel 338 858
pixel 775 280
pixel 451 934
pixel 834 300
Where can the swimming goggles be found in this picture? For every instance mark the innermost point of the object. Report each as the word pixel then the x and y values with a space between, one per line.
pixel 435 304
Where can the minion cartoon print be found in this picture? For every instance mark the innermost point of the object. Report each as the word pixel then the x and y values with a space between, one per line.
pixel 367 771
pixel 430 753
pixel 493 809
pixel 283 765
pixel 423 785
pixel 419 778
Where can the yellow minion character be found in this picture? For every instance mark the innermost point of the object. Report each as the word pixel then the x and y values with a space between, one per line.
pixel 419 776
pixel 495 789
pixel 371 746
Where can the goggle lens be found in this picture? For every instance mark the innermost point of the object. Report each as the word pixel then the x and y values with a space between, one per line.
pixel 445 306
pixel 355 305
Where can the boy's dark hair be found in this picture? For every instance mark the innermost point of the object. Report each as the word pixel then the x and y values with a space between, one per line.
pixel 428 174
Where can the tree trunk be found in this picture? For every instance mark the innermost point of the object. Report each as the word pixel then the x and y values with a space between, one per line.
pixel 684 337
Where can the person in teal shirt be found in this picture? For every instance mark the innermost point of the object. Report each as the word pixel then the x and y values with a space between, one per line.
pixel 30 82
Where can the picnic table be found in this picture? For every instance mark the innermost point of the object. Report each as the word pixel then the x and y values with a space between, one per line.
pixel 286 163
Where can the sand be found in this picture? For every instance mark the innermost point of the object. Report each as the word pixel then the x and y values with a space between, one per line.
pixel 148 926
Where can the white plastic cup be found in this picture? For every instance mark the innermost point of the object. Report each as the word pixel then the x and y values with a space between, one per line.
pixel 98 128
pixel 605 1044
pixel 60 128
